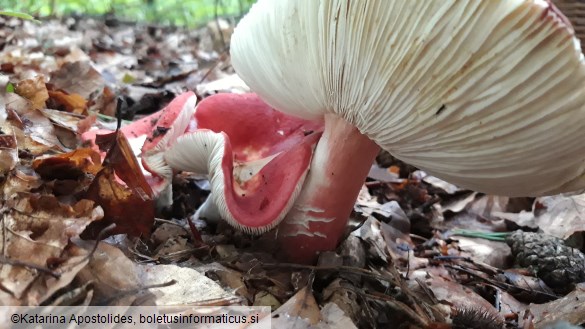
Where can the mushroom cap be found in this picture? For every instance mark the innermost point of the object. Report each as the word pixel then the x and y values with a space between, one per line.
pixel 489 95
pixel 144 135
pixel 256 158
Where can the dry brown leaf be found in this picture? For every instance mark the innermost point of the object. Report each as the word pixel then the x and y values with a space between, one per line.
pixel 454 294
pixel 494 253
pixel 115 277
pixel 370 233
pixel 570 308
pixel 191 287
pixel 8 153
pixel 77 78
pixel 70 165
pixel 63 119
pixel 120 186
pixel 45 286
pixel 443 185
pixel 228 84
pixel 73 103
pixel 17 104
pixel 34 90
pixel 36 230
pixel 104 102
pixel 300 310
pixel 334 317
pixel 228 278
pixel 562 216
pixel 39 133
pixel 116 199
pixel 22 179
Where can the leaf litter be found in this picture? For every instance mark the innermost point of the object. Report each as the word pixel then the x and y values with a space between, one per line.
pixel 416 256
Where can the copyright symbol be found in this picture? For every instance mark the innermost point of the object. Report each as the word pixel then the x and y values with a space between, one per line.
pixel 14 318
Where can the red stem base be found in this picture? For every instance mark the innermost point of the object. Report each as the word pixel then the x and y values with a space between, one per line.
pixel 339 167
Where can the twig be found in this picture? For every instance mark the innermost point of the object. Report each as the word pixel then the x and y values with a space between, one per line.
pixel 15 262
pixel 135 291
pixel 393 303
pixel 502 285
pixel 349 269
pixel 222 57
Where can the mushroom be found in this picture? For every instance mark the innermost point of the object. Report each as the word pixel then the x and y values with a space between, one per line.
pixel 256 157
pixel 145 134
pixel 488 95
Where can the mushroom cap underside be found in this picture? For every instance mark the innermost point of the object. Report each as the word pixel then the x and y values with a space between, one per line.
pixel 488 95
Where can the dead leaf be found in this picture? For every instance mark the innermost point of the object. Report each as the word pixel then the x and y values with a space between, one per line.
pixel 8 153
pixel 34 90
pixel 116 199
pixel 563 215
pixel 300 310
pixel 36 229
pixel 191 287
pixel 104 102
pixel 228 278
pixel 115 277
pixel 73 103
pixel 70 165
pixel 334 317
pixel 229 84
pixel 570 308
pixel 494 253
pixel 77 78
pixel 454 294
pixel 21 179
pixel 45 286
pixel 66 120
pixel 120 186
pixel 39 133
pixel 443 185
pixel 384 175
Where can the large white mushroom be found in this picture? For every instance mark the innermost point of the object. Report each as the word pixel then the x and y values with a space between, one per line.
pixel 489 95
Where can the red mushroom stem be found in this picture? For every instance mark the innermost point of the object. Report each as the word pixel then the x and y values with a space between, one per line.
pixel 339 167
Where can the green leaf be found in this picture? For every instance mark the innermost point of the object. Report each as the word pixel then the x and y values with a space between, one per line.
pixel 128 79
pixel 493 236
pixel 19 15
pixel 9 88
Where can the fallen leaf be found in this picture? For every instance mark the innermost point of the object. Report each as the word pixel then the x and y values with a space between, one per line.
pixel 34 90
pixel 119 186
pixel 21 179
pixel 563 215
pixel 46 286
pixel 104 102
pixel 228 277
pixel 334 317
pixel 229 84
pixel 191 287
pixel 36 229
pixel 66 120
pixel 8 153
pixel 494 253
pixel 70 165
pixel 115 277
pixel 453 293
pixel 39 133
pixel 73 103
pixel 570 308
pixel 77 78
pixel 300 310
